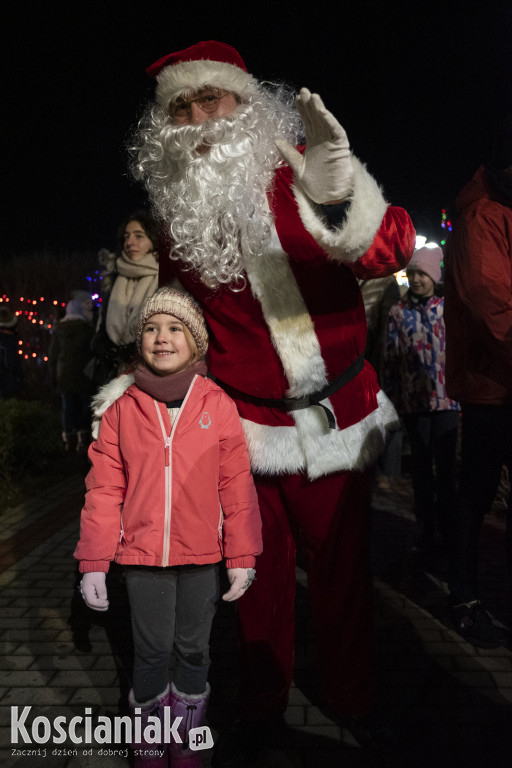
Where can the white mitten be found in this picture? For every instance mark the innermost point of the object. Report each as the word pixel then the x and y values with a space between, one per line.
pixel 240 580
pixel 325 170
pixel 94 590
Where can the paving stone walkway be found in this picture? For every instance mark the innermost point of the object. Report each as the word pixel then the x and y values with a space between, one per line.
pixel 449 703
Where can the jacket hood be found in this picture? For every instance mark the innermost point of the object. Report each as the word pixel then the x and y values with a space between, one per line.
pixel 107 395
pixel 487 183
pixel 474 190
pixel 110 392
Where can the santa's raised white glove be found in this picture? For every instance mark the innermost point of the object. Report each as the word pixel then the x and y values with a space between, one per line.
pixel 240 580
pixel 325 170
pixel 94 590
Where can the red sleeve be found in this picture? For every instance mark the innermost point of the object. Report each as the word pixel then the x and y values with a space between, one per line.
pixel 391 248
pixel 481 272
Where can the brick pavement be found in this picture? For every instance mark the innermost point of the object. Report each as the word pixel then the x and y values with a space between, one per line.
pixel 449 702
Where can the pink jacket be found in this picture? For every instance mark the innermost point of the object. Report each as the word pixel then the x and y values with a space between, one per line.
pixel 159 496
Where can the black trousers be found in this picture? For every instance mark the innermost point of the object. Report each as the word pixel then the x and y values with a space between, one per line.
pixel 171 609
pixel 486 447
pixel 433 440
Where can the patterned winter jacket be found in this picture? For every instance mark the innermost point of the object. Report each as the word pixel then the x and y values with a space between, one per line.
pixel 413 372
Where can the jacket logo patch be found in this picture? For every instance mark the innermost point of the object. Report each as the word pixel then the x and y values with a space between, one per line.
pixel 205 421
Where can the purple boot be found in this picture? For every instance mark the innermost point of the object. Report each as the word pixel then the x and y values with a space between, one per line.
pixel 192 710
pixel 145 754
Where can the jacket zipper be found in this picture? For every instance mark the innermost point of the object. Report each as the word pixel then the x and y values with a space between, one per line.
pixel 220 530
pixel 168 488
pixel 168 474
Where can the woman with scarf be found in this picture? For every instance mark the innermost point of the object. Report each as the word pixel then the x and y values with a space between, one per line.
pixel 132 278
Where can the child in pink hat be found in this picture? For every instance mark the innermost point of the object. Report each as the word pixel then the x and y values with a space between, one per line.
pixel 414 378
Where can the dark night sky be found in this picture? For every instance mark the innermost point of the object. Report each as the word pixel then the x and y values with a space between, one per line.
pixel 418 89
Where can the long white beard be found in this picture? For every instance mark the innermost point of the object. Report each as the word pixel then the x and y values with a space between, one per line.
pixel 214 203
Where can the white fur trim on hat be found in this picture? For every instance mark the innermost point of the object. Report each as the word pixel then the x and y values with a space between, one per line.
pixel 194 75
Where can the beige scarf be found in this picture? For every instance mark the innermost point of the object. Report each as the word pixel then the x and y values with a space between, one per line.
pixel 136 281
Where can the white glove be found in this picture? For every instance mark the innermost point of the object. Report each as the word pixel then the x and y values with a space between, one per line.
pixel 240 580
pixel 94 590
pixel 325 169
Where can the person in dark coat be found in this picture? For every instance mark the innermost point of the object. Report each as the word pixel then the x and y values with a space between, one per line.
pixel 68 356
pixel 478 313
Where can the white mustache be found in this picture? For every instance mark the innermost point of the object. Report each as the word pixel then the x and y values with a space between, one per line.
pixel 181 139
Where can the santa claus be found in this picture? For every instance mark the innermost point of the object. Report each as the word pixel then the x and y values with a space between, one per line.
pixel 270 236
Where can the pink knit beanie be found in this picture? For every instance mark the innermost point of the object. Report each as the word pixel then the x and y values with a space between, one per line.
pixel 428 259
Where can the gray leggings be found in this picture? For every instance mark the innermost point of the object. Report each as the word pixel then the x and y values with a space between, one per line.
pixel 171 608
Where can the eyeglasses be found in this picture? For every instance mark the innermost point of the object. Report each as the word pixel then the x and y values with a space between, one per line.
pixel 207 102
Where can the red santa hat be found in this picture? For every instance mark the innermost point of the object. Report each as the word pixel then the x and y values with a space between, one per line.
pixel 202 64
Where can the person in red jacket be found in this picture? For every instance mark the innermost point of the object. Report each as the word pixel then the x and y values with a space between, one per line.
pixel 478 316
pixel 270 237
pixel 169 495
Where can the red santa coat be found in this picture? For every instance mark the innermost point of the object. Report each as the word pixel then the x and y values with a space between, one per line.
pixel 299 322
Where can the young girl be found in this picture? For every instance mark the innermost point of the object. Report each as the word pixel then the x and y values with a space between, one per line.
pixel 169 494
pixel 413 376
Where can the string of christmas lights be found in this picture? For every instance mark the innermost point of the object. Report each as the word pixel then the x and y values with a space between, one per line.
pixel 34 350
pixel 43 314
pixel 445 224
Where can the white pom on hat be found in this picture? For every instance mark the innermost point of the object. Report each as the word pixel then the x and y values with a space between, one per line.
pixel 181 305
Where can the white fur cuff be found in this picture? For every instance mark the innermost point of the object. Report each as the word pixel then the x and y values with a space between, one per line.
pixel 367 208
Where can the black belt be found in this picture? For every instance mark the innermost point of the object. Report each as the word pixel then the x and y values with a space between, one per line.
pixel 298 403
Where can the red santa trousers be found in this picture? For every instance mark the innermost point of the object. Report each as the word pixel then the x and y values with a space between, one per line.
pixel 330 517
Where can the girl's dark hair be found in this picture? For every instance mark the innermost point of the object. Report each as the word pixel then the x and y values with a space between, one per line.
pixel 147 222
